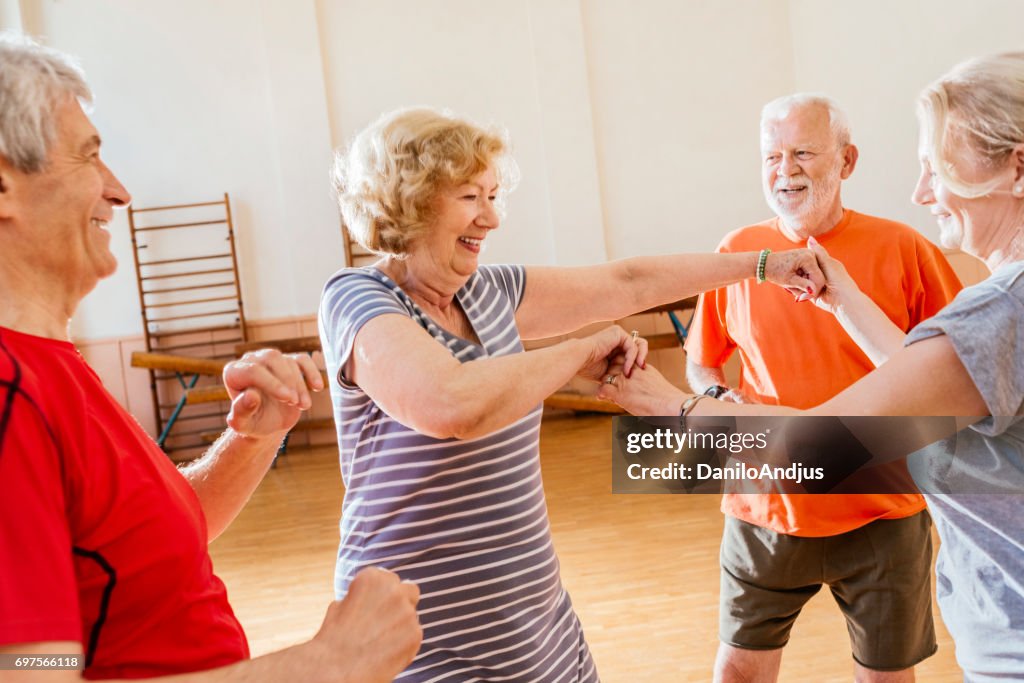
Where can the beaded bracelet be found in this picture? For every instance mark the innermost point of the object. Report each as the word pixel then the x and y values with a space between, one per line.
pixel 762 261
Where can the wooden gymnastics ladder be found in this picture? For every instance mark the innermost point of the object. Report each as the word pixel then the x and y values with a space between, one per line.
pixel 191 304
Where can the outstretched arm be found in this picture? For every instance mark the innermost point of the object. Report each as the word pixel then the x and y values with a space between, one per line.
pixel 562 300
pixel 435 394
pixel 925 378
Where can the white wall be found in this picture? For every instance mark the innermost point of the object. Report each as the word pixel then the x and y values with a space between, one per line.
pixel 677 89
pixel 517 64
pixel 634 122
pixel 195 98
pixel 875 56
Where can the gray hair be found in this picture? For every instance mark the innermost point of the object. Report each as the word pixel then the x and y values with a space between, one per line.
pixel 33 80
pixel 838 121
pixel 978 109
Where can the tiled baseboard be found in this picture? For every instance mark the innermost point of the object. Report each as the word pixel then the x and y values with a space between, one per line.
pixel 111 359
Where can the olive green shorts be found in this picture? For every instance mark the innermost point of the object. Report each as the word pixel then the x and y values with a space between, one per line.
pixel 879 574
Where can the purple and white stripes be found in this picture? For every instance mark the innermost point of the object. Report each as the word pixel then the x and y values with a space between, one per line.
pixel 464 519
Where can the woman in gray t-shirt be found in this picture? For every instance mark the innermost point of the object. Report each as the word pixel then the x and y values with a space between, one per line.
pixel 968 359
pixel 437 404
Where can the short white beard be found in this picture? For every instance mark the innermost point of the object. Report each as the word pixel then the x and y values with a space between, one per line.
pixel 822 193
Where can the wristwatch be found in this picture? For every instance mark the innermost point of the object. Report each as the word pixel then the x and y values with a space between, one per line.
pixel 716 391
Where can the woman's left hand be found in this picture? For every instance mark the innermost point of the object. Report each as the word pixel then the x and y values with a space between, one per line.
pixel 610 344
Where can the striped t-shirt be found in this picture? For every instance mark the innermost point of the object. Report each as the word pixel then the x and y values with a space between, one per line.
pixel 465 519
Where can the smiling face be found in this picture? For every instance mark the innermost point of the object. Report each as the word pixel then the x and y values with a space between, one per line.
pixel 61 213
pixel 981 226
pixel 463 216
pixel 802 169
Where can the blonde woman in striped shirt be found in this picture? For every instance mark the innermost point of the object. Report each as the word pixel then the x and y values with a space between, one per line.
pixel 438 406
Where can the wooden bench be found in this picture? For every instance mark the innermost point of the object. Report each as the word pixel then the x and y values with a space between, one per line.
pixel 189 370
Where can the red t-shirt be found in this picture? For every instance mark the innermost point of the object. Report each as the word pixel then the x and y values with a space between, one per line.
pixel 102 541
pixel 799 355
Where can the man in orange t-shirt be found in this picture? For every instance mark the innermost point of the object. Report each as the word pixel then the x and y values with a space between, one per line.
pixel 874 551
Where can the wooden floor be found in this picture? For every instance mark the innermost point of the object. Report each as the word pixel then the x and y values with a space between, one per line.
pixel 642 570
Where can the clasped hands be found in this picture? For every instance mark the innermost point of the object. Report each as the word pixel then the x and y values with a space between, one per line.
pixel 808 274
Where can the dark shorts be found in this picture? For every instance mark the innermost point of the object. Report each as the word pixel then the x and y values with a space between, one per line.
pixel 880 575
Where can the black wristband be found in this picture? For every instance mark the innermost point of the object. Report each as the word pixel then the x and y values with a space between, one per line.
pixel 716 391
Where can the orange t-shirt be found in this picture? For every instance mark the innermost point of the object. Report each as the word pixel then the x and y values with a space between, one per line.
pixel 799 355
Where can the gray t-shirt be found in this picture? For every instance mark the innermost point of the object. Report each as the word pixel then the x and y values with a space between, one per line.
pixel 979 513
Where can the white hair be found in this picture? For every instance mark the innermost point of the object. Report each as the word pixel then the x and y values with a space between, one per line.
pixel 838 121
pixel 33 81
pixel 976 110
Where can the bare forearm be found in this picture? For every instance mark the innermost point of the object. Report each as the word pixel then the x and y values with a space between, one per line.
pixel 562 300
pixel 926 379
pixel 294 663
pixel 491 393
pixel 655 280
pixel 285 665
pixel 869 327
pixel 227 474
pixel 647 281
pixel 701 378
pixel 297 663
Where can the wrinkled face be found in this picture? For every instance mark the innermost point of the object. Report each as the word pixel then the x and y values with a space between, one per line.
pixel 802 166
pixel 464 215
pixel 978 225
pixel 62 212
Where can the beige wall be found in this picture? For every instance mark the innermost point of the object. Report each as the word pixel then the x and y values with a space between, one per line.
pixel 875 56
pixel 195 98
pixel 634 122
pixel 676 90
pixel 518 64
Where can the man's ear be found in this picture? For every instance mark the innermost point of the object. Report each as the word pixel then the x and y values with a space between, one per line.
pixel 5 190
pixel 850 156
pixel 7 182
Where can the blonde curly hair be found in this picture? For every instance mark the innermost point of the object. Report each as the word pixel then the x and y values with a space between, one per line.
pixel 387 179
